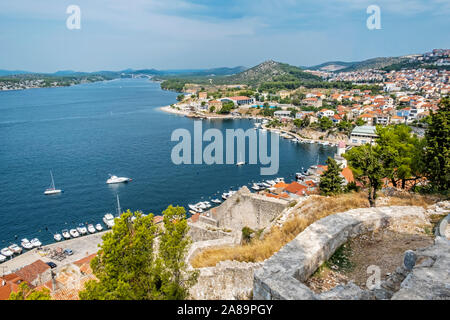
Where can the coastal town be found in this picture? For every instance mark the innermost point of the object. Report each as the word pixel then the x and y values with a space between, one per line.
pixel 406 96
pixel 344 118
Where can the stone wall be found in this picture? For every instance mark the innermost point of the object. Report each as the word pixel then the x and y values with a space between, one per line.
pixel 246 209
pixel 228 280
pixel 282 275
pixel 201 232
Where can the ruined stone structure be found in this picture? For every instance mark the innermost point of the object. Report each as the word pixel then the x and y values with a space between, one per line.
pixel 282 275
pixel 243 209
pixel 246 209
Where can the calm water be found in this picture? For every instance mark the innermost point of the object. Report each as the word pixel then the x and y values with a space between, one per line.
pixel 83 133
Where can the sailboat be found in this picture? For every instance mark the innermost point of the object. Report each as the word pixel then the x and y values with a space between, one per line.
pixel 52 189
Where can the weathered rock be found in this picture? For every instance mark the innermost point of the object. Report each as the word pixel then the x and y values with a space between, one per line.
pixel 350 291
pixel 428 280
pixel 409 260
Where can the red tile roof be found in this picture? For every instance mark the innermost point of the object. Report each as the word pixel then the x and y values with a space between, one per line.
pixel 85 260
pixel 30 272
pixel 295 187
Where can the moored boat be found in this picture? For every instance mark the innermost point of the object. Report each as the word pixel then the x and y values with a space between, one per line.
pixel 65 234
pixel 91 228
pixel 82 229
pixel 108 219
pixel 6 252
pixel 57 237
pixel 26 244
pixel 99 227
pixel 35 243
pixel 15 248
pixel 74 233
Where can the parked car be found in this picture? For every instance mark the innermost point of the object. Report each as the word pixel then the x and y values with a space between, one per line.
pixel 69 252
pixel 51 265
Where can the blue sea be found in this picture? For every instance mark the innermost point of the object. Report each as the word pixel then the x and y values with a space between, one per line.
pixel 85 132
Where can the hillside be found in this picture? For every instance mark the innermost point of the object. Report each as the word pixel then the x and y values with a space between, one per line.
pixel 375 63
pixel 271 71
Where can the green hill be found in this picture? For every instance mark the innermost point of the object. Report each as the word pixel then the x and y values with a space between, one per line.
pixel 271 71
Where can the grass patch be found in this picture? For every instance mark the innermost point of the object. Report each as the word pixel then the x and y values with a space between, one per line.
pixel 339 261
pixel 412 199
pixel 311 210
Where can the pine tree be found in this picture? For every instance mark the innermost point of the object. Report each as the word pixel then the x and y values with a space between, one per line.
pixel 331 180
pixel 138 260
pixel 367 164
pixel 437 151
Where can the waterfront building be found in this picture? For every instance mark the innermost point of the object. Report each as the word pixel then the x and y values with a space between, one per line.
pixel 282 114
pixel 362 135
pixel 238 101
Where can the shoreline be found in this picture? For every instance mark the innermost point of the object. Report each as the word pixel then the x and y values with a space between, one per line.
pixel 187 114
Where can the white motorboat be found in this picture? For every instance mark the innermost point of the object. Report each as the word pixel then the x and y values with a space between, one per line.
pixel 57 237
pixel 65 234
pixel 2 258
pixel 216 201
pixel 26 244
pixel 6 252
pixel 228 194
pixel 201 205
pixel 278 180
pixel 82 229
pixel 240 163
pixel 264 184
pixel 74 233
pixel 115 179
pixel 192 207
pixel 256 187
pixel 52 189
pixel 15 248
pixel 271 182
pixel 108 219
pixel 35 243
pixel 98 227
pixel 91 228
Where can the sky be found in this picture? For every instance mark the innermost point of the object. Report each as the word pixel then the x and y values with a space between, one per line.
pixel 194 34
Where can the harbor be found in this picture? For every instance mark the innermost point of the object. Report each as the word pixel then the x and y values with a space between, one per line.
pixel 80 248
pixel 79 166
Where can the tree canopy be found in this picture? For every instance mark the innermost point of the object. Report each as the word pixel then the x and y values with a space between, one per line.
pixel 26 293
pixel 368 168
pixel 138 260
pixel 437 150
pixel 331 180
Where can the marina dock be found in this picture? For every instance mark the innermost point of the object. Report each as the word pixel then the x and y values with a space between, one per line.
pixel 81 247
